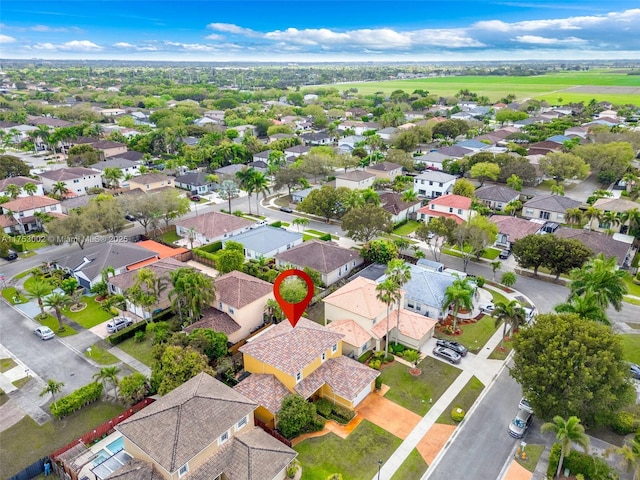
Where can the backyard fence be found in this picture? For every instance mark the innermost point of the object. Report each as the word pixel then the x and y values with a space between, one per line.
pixel 103 429
pixel 272 432
pixel 31 471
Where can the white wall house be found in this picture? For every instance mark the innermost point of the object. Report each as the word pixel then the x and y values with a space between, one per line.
pixel 433 183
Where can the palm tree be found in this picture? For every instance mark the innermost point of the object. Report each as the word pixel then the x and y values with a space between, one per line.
pixel 608 220
pixel 573 216
pixel 459 295
pixel 510 313
pixel 13 191
pixel 630 455
pixel 567 432
pixel 300 222
pixel 59 188
pixel 147 289
pixel 585 306
pixel 52 387
pixel 602 277
pixel 58 301
pixel 228 189
pixel 388 293
pixel 515 182
pixel 112 176
pixel 260 185
pixel 400 273
pixel 191 291
pixel 37 290
pixel 592 213
pixel 108 374
pixel 245 179
pixel 495 266
pixel 30 188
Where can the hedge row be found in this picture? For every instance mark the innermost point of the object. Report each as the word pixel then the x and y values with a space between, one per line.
pixel 212 247
pixel 197 252
pixel 276 224
pixel 76 400
pixel 579 463
pixel 126 333
pixel 326 237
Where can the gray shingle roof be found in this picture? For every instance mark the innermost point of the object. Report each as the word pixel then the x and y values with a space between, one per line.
pixel 321 256
pixel 552 203
pixel 355 175
pixel 497 193
pixel 266 239
pixel 214 224
pixel 194 178
pixel 239 289
pixel 181 424
pixel 63 174
pixel 596 241
pixel 426 286
pixel 115 162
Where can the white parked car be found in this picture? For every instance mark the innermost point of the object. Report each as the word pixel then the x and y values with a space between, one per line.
pixel 488 309
pixel 45 333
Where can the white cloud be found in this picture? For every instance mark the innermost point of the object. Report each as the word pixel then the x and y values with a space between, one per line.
pixel 123 45
pixel 74 45
pixel 214 36
pixel 231 28
pixel 6 39
pixel 535 39
pixel 195 47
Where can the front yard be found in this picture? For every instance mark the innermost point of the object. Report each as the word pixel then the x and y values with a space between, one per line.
pixel 141 351
pixel 356 458
pixel 415 393
pixel 631 347
pixel 414 466
pixel 91 315
pixel 26 440
pixel 474 335
pixel 463 400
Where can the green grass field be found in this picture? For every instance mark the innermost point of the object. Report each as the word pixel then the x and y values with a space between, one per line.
pixel 543 87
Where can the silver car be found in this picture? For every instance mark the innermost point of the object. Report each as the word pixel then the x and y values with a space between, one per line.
pixel 45 333
pixel 447 354
pixel 519 425
pixel 116 324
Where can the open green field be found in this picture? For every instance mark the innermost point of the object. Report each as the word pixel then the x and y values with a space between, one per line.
pixel 543 87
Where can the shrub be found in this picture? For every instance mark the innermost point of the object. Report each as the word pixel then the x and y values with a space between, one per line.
pixel 276 224
pixel 375 364
pixel 378 356
pixel 326 237
pixel 76 400
pixel 324 407
pixel 316 424
pixel 341 414
pixel 139 336
pixel 378 383
pixel 212 247
pixel 397 348
pixel 579 464
pixel 554 458
pixel 480 281
pixel 457 414
pixel 365 356
pixel 126 333
pixel 624 423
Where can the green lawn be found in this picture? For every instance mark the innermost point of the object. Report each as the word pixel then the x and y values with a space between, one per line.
pixel 414 466
pixel 21 382
pixel 491 253
pixel 90 316
pixel 634 288
pixel 631 300
pixel 31 280
pixel 314 232
pixel 414 392
pixel 140 351
pixel 407 228
pixel 533 455
pixel 8 294
pixel 631 347
pixel 498 297
pixel 463 400
pixel 499 354
pixel 24 274
pixel 101 355
pixel 7 364
pixel 52 322
pixel 171 236
pixel 474 335
pixel 25 442
pixel 356 457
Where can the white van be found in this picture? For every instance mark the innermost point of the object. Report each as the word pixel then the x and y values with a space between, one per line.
pixel 529 314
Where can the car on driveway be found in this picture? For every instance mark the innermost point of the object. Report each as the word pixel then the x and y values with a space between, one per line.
pixel 488 309
pixel 45 333
pixel 634 370
pixel 504 254
pixel 519 425
pixel 447 354
pixel 286 209
pixel 451 345
pixel 524 405
pixel 116 324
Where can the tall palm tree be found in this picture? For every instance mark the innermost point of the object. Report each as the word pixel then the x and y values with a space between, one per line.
pixel 511 314
pixel 108 374
pixel 38 290
pixel 228 189
pixel 192 290
pixel 300 222
pixel 148 288
pixel 631 218
pixel 52 387
pixel 602 277
pixel 58 301
pixel 567 432
pixel 591 214
pixel 609 220
pixel 630 455
pixel 260 186
pixel 459 295
pixel 112 176
pixel 30 188
pixel 59 188
pixel 388 294
pixel 400 273
pixel 13 190
pixel 245 179
pixel 573 216
pixel 585 306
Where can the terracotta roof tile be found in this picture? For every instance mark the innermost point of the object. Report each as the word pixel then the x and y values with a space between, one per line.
pixel 264 389
pixel 353 333
pixel 412 325
pixel 455 201
pixel 215 320
pixel 358 296
pixel 30 202
pixel 239 289
pixel 515 227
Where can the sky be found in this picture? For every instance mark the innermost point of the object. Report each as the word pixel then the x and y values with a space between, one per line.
pixel 320 30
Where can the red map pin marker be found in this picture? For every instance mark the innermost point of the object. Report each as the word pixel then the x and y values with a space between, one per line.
pixel 293 311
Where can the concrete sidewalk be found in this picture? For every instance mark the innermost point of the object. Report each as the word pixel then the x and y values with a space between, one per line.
pixel 129 360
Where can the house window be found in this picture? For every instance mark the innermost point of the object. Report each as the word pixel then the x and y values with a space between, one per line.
pixel 334 348
pixel 183 470
pixel 433 207
pixel 459 211
pixel 241 423
pixel 430 183
pixel 545 215
pixel 76 181
pixel 440 184
pixel 231 310
pixel 147 186
pixel 219 305
pixel 223 438
pixel 324 356
pixel 364 347
pixel 529 211
pixel 560 216
pixel 410 304
pixel 450 209
pixel 298 377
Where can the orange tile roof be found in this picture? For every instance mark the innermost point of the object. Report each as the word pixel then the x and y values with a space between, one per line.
pixel 21 204
pixel 163 251
pixel 412 325
pixel 353 333
pixel 433 213
pixel 455 201
pixel 358 296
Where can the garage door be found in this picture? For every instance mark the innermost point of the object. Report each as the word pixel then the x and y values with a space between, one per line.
pixel 362 395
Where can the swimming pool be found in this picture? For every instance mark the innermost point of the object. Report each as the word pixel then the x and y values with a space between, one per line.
pixel 111 449
pixel 116 445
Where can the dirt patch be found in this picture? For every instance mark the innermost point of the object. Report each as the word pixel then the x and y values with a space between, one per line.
pixel 434 440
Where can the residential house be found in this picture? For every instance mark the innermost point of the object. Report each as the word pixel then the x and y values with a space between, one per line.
pixel 151 181
pixel 358 301
pixel 432 183
pixel 131 155
pixel 244 299
pixel 161 251
pixel 456 152
pixel 88 264
pixel 20 182
pixel 316 138
pixel 614 205
pixel 358 127
pixel 496 197
pixel 201 430
pixel 447 206
pixel 280 136
pixel 211 227
pixel 300 195
pixel 387 133
pixel 306 360
pixel 355 179
pixel 266 241
pixel 432 160
pixel 475 145
pixel 356 340
pixel 71 203
pixel 216 115
pixel 348 144
pixel 21 214
pixel 618 245
pixel 543 148
pixel 386 170
pixel 228 172
pixel 400 210
pixel 119 284
pixel 195 182
pixel 78 180
pixel 129 168
pixel 511 229
pixel 549 207
pixel 297 151
pixel 109 148
pixel 332 261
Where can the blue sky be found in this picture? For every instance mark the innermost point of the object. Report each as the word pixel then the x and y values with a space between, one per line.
pixel 322 30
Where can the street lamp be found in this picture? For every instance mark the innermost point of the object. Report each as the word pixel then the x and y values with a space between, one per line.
pixel 379 467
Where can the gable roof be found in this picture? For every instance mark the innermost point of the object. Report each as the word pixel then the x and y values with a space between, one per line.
pixel 412 325
pixel 178 426
pixel 215 320
pixel 497 193
pixel 384 167
pixel 291 349
pixel 452 200
pixel 150 178
pixel 239 289
pixel 436 176
pixel 456 152
pixel 19 181
pixel 266 238
pixel 130 155
pixel 392 202
pixel 355 175
pixel 29 202
pixel 353 333
pixel 115 162
pixel 325 257
pixel 553 203
pixel 162 268
pixel 63 174
pixel 214 224
pixel 426 285
pixel 615 204
pixel 515 228
pixel 358 296
pixel 194 178
pixel 264 389
pixel 596 241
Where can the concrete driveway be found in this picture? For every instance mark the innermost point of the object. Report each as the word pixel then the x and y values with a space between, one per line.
pixel 388 415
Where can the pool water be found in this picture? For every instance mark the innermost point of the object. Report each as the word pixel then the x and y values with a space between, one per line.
pixel 116 445
pixel 102 456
